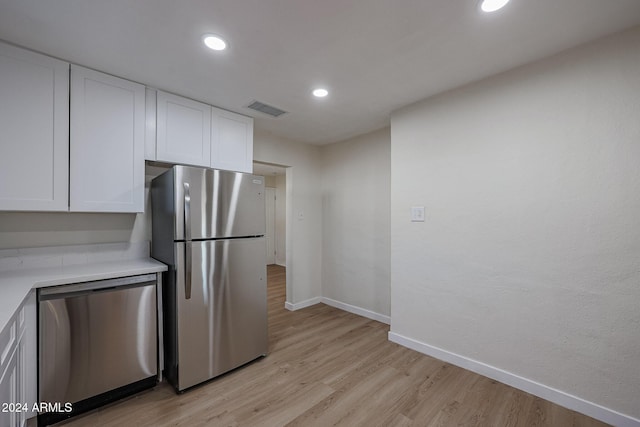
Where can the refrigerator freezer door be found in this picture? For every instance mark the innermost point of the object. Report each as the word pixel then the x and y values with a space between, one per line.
pixel 221 204
pixel 223 324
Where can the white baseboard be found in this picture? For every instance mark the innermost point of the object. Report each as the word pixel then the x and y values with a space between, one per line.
pixel 559 397
pixel 341 305
pixel 302 304
pixel 357 310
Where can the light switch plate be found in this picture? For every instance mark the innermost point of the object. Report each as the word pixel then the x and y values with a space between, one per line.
pixel 417 214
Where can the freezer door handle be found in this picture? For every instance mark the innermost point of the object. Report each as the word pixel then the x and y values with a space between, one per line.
pixel 187 245
pixel 187 212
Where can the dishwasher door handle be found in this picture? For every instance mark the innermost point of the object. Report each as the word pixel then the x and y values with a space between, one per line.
pixel 56 292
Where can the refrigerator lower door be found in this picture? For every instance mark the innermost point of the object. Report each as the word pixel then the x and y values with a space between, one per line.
pixel 223 323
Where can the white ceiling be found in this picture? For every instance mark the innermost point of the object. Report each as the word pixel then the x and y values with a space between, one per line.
pixel 373 55
pixel 266 169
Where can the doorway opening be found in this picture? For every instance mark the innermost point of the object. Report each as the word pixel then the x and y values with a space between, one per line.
pixel 276 205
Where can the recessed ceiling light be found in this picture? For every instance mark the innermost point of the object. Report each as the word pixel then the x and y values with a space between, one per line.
pixel 320 93
pixel 214 42
pixel 492 5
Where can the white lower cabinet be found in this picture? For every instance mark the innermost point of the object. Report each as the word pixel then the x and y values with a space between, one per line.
pixel 107 143
pixel 9 392
pixel 18 383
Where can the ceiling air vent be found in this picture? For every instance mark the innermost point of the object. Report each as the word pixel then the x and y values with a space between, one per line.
pixel 266 109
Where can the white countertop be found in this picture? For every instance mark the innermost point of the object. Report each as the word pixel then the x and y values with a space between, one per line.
pixel 16 284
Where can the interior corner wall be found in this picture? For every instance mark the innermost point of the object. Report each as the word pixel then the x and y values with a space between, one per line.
pixel 355 221
pixel 528 260
pixel 304 232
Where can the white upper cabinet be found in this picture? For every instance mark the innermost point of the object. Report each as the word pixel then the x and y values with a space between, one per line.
pixel 231 141
pixel 34 131
pixel 107 143
pixel 183 130
pixel 150 130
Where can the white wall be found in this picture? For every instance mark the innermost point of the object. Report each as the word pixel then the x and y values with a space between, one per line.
pixel 37 229
pixel 529 260
pixel 304 234
pixel 355 221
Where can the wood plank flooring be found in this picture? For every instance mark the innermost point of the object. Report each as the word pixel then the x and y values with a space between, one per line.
pixel 327 367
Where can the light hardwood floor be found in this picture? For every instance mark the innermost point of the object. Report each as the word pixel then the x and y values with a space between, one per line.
pixel 328 367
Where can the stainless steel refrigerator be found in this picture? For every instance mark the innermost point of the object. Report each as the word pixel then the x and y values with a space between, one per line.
pixel 208 225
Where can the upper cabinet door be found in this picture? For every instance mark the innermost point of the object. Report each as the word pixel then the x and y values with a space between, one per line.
pixel 231 141
pixel 107 143
pixel 150 129
pixel 183 130
pixel 34 131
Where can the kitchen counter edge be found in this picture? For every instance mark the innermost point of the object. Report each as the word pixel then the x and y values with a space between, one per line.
pixel 15 285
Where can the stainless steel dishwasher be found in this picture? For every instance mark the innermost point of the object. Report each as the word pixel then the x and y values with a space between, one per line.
pixel 97 342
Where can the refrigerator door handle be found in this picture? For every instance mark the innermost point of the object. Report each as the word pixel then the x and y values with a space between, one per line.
pixel 187 270
pixel 187 244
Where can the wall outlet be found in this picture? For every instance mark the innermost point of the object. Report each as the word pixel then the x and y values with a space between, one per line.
pixel 417 214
